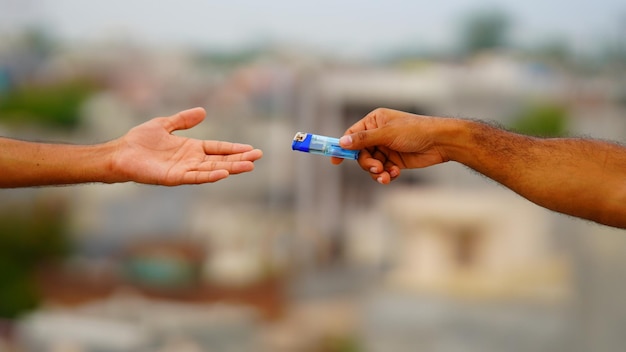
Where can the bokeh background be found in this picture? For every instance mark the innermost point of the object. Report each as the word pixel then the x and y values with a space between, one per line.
pixel 301 255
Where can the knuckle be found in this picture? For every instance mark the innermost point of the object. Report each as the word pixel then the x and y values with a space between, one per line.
pixel 380 111
pixel 361 136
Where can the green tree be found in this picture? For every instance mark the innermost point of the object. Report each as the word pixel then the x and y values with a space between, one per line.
pixel 54 105
pixel 542 120
pixel 29 236
pixel 484 30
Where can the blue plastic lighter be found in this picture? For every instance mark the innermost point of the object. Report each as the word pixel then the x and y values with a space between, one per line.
pixel 322 145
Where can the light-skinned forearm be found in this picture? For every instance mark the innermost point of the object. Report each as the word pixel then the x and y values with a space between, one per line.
pixel 580 177
pixel 27 164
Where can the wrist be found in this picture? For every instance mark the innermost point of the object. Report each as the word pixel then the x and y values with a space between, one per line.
pixel 479 145
pixel 110 170
pixel 93 164
pixel 455 139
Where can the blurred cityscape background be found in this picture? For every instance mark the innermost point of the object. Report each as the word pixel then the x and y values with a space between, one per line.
pixel 300 255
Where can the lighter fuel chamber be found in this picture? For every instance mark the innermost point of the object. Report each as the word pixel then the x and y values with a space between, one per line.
pixel 322 145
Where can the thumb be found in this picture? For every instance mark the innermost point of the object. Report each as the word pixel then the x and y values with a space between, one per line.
pixel 186 119
pixel 362 139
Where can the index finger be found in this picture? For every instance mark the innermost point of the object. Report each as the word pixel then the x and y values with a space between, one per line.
pixel 358 126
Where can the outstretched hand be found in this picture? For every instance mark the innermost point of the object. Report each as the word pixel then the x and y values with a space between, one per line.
pixel 392 140
pixel 151 154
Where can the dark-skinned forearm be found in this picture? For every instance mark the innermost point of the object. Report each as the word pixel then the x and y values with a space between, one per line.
pixel 579 177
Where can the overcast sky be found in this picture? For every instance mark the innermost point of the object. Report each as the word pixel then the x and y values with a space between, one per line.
pixel 350 26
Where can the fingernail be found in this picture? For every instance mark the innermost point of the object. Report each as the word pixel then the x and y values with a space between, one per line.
pixel 345 141
pixel 393 173
pixel 380 179
pixel 373 170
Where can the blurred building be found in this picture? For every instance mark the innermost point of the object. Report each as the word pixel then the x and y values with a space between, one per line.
pixel 460 261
